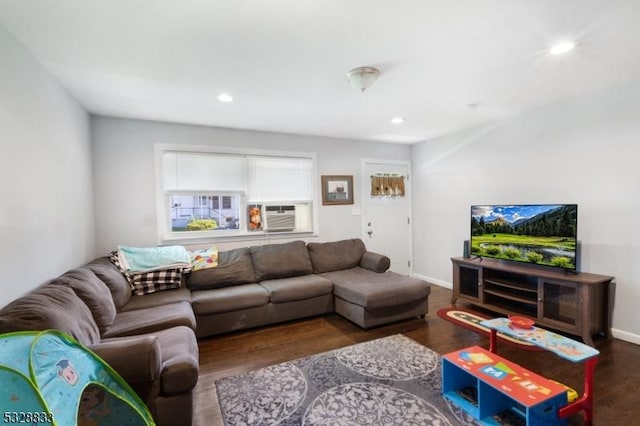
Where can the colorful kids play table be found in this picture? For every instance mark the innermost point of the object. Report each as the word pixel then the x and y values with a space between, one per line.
pixel 563 347
pixel 496 391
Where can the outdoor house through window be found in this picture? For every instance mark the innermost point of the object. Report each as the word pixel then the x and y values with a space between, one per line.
pixel 217 194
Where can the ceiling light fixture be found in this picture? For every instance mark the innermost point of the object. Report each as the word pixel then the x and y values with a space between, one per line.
pixel 562 47
pixel 397 120
pixel 225 97
pixel 363 77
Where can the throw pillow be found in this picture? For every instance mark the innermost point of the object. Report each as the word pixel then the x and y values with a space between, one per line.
pixel 204 259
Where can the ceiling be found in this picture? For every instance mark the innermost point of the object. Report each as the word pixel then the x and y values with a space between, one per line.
pixel 445 65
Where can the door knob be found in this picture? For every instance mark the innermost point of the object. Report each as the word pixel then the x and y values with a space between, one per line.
pixel 369 232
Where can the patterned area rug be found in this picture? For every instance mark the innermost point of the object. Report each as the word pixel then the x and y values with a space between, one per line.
pixel 471 320
pixel 388 381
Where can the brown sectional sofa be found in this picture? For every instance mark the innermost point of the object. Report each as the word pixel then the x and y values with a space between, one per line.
pixel 151 340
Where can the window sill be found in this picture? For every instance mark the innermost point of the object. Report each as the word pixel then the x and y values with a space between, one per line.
pixel 254 236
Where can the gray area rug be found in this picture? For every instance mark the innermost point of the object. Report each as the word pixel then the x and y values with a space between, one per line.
pixel 388 381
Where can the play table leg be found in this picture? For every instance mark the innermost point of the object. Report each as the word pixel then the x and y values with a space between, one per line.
pixel 493 341
pixel 585 402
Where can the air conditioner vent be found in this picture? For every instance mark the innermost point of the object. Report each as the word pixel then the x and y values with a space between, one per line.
pixel 280 218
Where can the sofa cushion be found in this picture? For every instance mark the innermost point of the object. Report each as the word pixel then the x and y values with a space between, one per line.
pixel 283 290
pixel 281 260
pixel 148 320
pixel 51 306
pixel 335 256
pixel 207 302
pixel 120 289
pixel 234 267
pixel 374 290
pixel 160 298
pixel 93 292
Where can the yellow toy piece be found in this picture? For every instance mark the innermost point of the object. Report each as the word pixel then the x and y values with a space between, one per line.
pixel 572 395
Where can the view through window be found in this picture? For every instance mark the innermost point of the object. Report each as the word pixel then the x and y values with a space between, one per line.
pixel 221 194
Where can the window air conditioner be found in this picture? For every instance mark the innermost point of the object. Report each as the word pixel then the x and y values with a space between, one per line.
pixel 280 218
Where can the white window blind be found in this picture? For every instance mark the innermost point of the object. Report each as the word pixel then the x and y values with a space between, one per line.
pixel 206 194
pixel 203 172
pixel 280 179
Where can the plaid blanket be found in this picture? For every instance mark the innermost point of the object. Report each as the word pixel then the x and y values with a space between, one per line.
pixel 150 282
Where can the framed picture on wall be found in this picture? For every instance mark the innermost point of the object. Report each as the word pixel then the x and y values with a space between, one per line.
pixel 337 189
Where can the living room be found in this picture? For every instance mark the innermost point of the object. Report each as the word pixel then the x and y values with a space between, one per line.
pixel 77 181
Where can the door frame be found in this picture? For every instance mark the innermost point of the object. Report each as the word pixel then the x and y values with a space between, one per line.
pixel 364 193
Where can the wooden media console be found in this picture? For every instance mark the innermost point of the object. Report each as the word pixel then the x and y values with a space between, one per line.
pixel 576 303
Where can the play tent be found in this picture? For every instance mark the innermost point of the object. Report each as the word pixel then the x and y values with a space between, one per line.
pixel 49 378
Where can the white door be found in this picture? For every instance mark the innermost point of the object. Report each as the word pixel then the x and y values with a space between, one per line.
pixel 387 219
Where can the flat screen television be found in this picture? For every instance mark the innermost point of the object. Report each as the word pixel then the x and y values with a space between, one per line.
pixel 540 234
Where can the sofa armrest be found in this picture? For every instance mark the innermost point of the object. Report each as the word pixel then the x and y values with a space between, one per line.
pixel 137 359
pixel 374 262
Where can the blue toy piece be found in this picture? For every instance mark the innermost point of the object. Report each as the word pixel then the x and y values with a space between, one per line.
pixel 48 378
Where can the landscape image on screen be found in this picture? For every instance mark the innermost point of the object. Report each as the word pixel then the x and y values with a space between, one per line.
pixel 538 234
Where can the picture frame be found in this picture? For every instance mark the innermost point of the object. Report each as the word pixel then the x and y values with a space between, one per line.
pixel 337 189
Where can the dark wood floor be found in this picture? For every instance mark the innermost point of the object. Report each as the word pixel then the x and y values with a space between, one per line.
pixel 617 381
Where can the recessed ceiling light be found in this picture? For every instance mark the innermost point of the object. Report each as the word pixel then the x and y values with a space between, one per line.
pixel 225 97
pixel 562 47
pixel 397 120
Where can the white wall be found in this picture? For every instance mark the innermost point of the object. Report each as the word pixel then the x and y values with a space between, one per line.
pixel 46 216
pixel 584 151
pixel 125 181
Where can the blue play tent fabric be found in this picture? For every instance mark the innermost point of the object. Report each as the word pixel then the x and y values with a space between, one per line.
pixel 48 378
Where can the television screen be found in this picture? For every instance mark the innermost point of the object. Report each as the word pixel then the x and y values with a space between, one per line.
pixel 541 234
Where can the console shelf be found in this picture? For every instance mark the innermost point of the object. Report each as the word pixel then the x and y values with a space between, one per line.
pixel 574 303
pixel 508 296
pixel 512 285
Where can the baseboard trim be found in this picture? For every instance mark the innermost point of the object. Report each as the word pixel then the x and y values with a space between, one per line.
pixel 435 281
pixel 626 336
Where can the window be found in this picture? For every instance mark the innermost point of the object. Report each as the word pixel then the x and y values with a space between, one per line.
pixel 214 194
pixel 202 213
pixel 226 202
